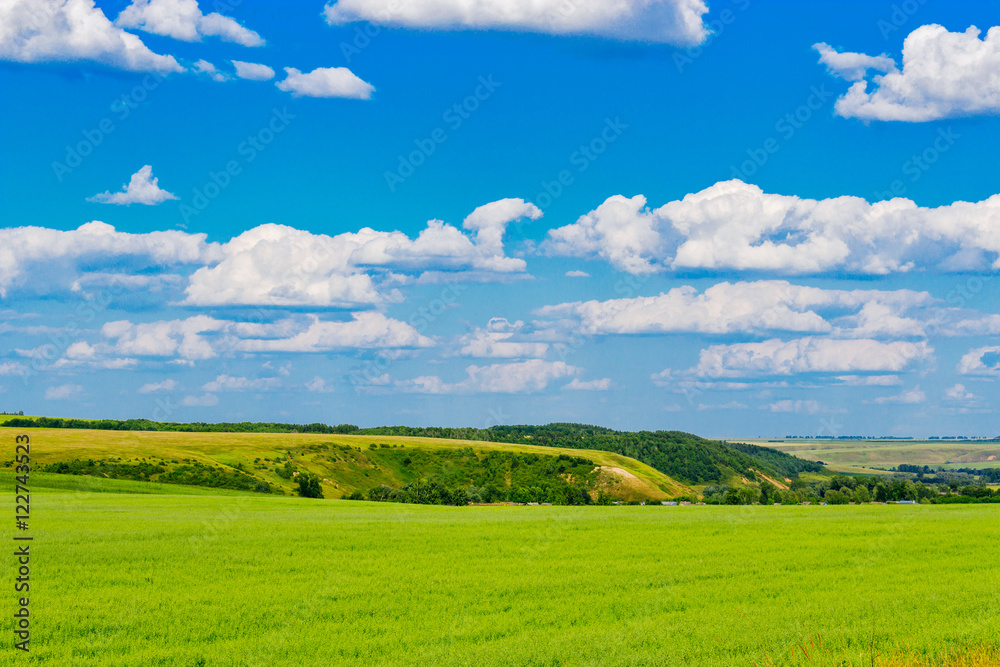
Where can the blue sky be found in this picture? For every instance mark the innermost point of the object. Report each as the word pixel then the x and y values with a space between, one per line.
pixel 737 219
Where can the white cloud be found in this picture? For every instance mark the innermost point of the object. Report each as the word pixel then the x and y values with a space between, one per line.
pixel 604 384
pixel 736 226
pixel 205 67
pixel 203 337
pixel 985 325
pixel 253 71
pixel 64 392
pixel 181 19
pixel 808 407
pixel 281 266
pixel 870 380
pixel 515 378
pixel 494 341
pixel 577 274
pixel 231 383
pixel 204 401
pixel 746 307
pixel 944 75
pixel 981 361
pixel 676 22
pixel 319 385
pixel 909 397
pixel 366 330
pixel 959 393
pixel 810 355
pixel 165 338
pixel 52 259
pixel 143 188
pixel 621 230
pixel 325 82
pixel 852 66
pixel 271 265
pixel 80 350
pixel 732 405
pixel 37 31
pixel 12 368
pixel 152 387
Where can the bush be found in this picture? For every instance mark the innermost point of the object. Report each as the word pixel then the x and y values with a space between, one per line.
pixel 309 486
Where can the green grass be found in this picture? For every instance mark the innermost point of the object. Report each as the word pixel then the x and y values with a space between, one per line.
pixel 268 581
pixel 855 455
pixel 46 482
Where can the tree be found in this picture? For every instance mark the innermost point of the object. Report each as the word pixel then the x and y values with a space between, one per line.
pixel 768 493
pixel 835 497
pixel 861 494
pixel 309 486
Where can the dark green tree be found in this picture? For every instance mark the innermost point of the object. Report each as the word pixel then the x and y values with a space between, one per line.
pixel 309 486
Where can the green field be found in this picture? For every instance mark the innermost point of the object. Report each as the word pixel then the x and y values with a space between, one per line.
pixel 850 455
pixel 269 581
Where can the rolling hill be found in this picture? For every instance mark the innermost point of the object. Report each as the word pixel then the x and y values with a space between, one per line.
pixel 551 462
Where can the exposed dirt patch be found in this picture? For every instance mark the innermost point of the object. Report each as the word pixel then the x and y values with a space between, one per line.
pixel 623 484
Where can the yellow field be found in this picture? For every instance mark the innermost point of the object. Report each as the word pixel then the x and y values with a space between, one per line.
pixel 856 455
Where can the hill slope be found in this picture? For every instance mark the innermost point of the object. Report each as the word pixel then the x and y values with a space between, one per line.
pixel 683 456
pixel 269 462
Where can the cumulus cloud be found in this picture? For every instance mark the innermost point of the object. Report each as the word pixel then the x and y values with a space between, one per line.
pixel 325 82
pixel 143 188
pixel 746 307
pixel 621 230
pixel 981 361
pixel 944 75
pixel 152 387
pixel 203 337
pixel 810 355
pixel 253 71
pixel 676 22
pixel 984 325
pixel 183 20
pixel 736 226
pixel 908 397
pixel 80 350
pixel 366 330
pixel 958 392
pixel 37 31
pixel 521 377
pixel 319 386
pixel 576 273
pixel 184 338
pixel 604 384
pixel 282 266
pixel 12 368
pixel 495 341
pixel 270 265
pixel 60 256
pixel 204 401
pixel 205 67
pixel 852 66
pixel 63 392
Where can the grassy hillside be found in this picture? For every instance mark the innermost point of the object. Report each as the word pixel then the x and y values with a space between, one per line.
pixel 345 463
pixel 684 457
pixel 264 580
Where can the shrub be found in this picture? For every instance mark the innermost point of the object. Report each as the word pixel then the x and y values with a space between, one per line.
pixel 309 486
